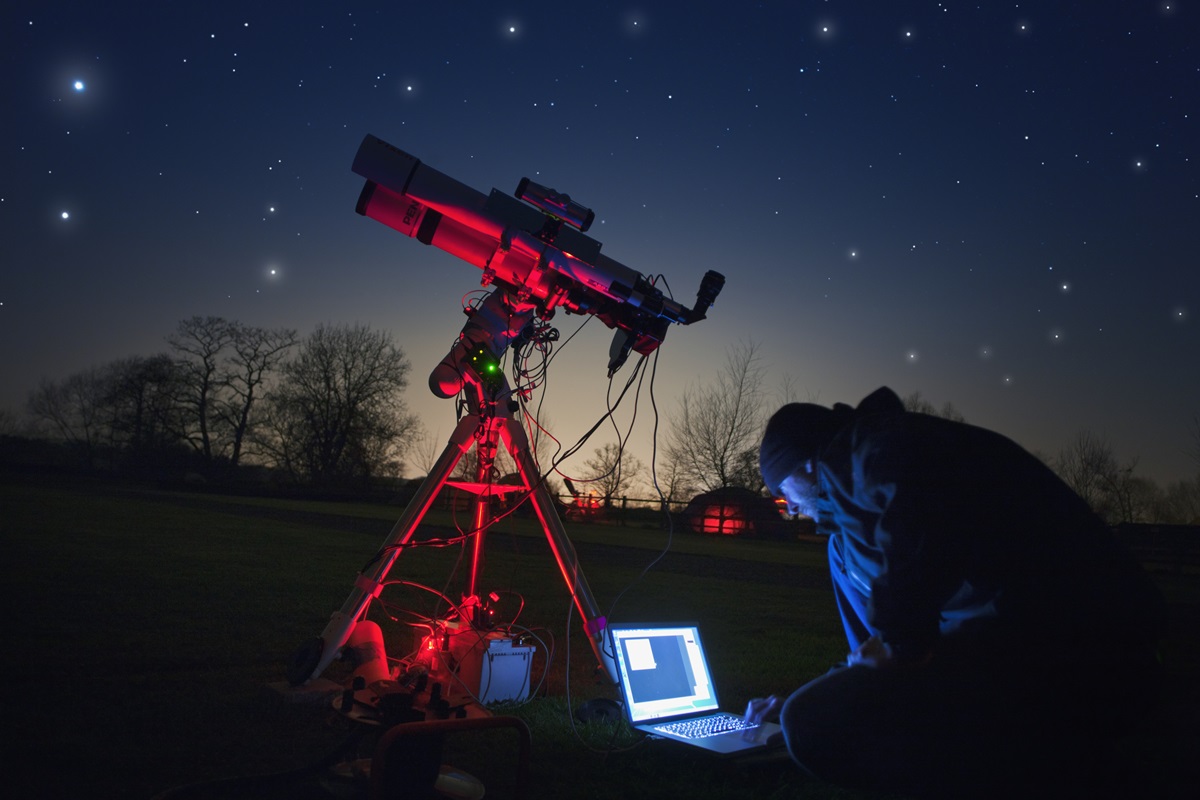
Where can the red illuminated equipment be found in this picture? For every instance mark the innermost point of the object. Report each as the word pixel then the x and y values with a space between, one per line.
pixel 536 256
pixel 472 664
pixel 526 251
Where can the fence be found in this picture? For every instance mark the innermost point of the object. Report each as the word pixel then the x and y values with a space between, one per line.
pixel 1165 548
pixel 712 517
pixel 622 511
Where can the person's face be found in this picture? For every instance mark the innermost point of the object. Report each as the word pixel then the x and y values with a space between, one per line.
pixel 799 491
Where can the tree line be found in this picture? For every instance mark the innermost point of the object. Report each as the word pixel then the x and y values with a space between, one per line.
pixel 328 410
pixel 325 409
pixel 715 432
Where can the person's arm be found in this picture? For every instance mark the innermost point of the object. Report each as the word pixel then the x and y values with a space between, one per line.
pixel 917 539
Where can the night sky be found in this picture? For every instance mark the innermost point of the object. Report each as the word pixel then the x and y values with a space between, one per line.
pixel 994 204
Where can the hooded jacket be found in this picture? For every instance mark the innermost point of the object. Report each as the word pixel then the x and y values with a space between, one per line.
pixel 946 529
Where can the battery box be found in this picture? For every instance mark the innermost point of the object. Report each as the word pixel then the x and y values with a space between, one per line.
pixel 472 664
pixel 504 673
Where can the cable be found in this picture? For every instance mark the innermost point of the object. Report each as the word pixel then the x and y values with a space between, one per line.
pixel 662 498
pixel 606 751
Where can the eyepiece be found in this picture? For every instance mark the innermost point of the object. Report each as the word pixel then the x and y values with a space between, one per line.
pixel 710 286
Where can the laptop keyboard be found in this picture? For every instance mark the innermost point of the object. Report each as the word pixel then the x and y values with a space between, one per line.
pixel 705 726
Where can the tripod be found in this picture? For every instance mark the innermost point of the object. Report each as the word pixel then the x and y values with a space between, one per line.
pixel 488 425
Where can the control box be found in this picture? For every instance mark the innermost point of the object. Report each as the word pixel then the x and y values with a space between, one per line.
pixel 504 673
pixel 474 665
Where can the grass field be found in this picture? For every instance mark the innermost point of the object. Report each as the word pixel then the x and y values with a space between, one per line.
pixel 146 626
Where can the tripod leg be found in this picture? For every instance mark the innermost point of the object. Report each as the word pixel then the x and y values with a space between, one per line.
pixel 594 623
pixel 311 659
pixel 485 449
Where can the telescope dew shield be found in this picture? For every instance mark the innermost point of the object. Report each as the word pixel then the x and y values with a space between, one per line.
pixel 427 226
pixel 394 210
pixel 402 174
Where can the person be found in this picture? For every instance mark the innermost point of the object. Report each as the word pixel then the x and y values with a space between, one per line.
pixel 998 634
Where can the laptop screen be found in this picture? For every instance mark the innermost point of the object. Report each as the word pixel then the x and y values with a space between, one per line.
pixel 663 671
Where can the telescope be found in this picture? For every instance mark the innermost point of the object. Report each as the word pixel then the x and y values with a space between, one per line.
pixel 531 244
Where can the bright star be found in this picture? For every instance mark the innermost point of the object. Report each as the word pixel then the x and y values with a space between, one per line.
pixel 79 86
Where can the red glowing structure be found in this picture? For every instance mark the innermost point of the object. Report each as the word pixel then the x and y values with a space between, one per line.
pixel 727 520
pixel 734 511
pixel 583 506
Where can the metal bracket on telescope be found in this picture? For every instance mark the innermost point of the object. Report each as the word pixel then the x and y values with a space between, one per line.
pixel 367 585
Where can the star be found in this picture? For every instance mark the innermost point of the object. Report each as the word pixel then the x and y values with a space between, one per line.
pixel 79 86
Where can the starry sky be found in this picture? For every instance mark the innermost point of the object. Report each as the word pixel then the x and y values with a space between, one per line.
pixel 994 204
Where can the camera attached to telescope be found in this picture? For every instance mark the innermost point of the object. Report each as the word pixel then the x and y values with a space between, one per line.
pixel 535 250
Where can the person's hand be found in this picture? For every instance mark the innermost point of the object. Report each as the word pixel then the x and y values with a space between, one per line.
pixel 876 653
pixel 871 653
pixel 757 711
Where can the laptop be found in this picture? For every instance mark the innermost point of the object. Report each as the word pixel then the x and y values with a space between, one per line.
pixel 669 691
